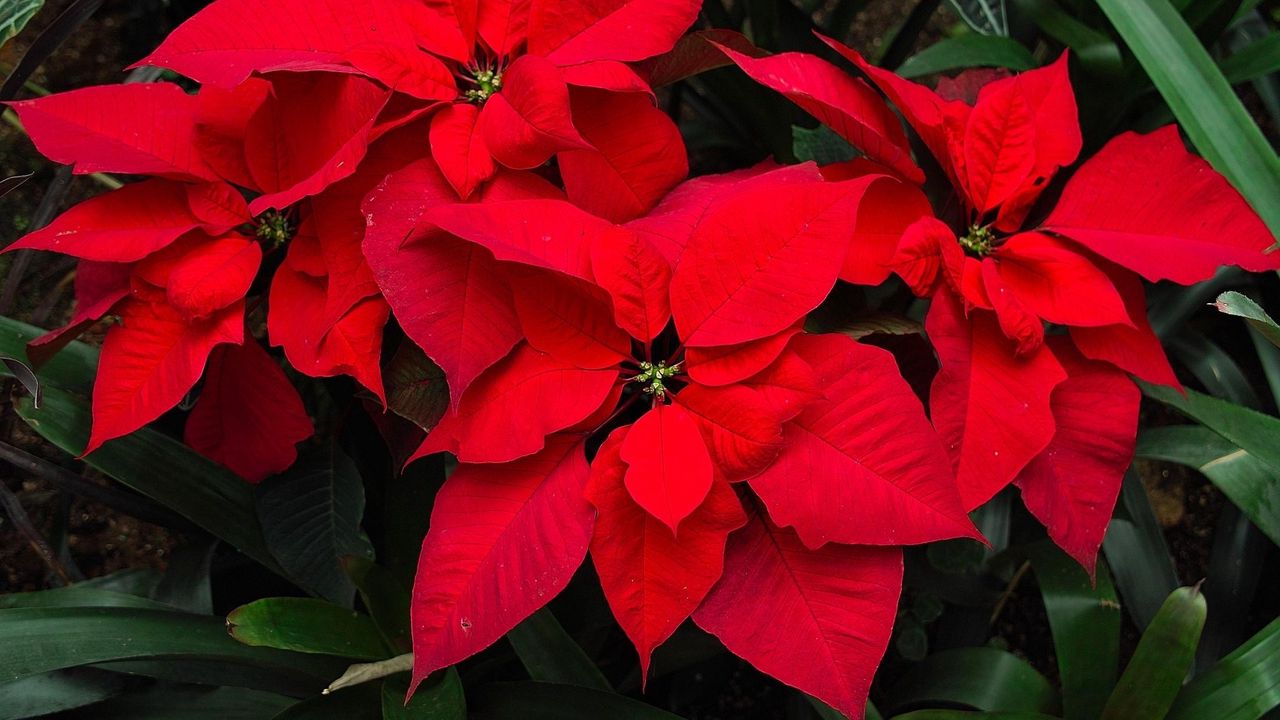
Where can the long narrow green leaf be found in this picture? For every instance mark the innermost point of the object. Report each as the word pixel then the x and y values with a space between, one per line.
pixel 1096 50
pixel 965 715
pixel 159 467
pixel 41 695
pixel 1085 620
pixel 187 702
pixel 72 369
pixel 548 701
pixel 1245 685
pixel 38 640
pixel 1137 554
pixel 307 625
pixel 1249 483
pixel 1201 99
pixel 551 656
pixel 983 678
pixel 1233 303
pixel 1162 660
pixel 968 51
pixel 1255 60
pixel 442 701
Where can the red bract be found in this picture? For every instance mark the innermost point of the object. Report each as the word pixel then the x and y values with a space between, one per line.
pixel 1011 406
pixel 677 336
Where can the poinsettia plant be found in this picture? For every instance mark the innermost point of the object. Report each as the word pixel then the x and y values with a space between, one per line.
pixel 617 359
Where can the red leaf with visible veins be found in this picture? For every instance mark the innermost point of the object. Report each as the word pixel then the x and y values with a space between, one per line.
pixel 638 279
pixel 741 430
pixel 669 471
pixel 861 465
pixel 1147 204
pixel 728 364
pixel 215 274
pixel 694 54
pixel 550 234
pixel 1057 283
pixel 990 406
pixel 1072 486
pixel 606 75
pixel 763 259
pixel 1016 320
pixel 639 155
pixel 652 578
pixel 567 318
pixel 458 146
pixel 312 131
pixel 847 105
pixel 817 620
pixel 406 69
pixel 885 213
pixel 569 32
pixel 230 39
pixel 514 406
pixel 788 385
pixel 248 417
pixel 72 128
pixel 504 541
pixel 926 250
pixel 1131 347
pixel 149 361
pixel 503 25
pixel 529 120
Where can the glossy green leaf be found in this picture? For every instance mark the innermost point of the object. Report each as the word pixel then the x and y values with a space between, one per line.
pixel 984 16
pixel 14 15
pixel 1249 483
pixel 188 702
pixel 213 672
pixel 1257 59
pixel 1137 554
pixel 1233 303
pixel 159 467
pixel 307 625
pixel 72 369
pixel 967 51
pixel 78 596
pixel 549 701
pixel 56 691
pixel 1249 430
pixel 1245 685
pixel 983 678
pixel 38 640
pixel 386 599
pixel 1085 620
pixel 361 702
pixel 443 700
pixel 1202 100
pixel 550 655
pixel 186 583
pixel 310 516
pixel 1094 49
pixel 1162 660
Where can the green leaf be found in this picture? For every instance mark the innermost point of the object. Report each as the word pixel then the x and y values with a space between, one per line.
pixel 361 702
pixel 983 678
pixel 548 701
pixel 821 145
pixel 310 516
pixel 984 16
pixel 40 695
pixel 1257 59
pixel 159 467
pixel 968 51
pixel 1137 554
pixel 1245 685
pixel 416 389
pixel 24 374
pixel 1251 431
pixel 1249 483
pixel 1202 100
pixel 1095 50
pixel 72 369
pixel 38 640
pixel 1085 620
pixel 79 595
pixel 188 702
pixel 307 625
pixel 1233 303
pixel 442 701
pixel 14 15
pixel 1162 660
pixel 963 715
pixel 551 656
pixel 186 583
pixel 386 599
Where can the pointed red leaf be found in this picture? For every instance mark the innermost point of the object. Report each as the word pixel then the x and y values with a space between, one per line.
pixel 569 32
pixel 1057 283
pixel 884 215
pixel 248 417
pixel 694 54
pixel 1072 486
pixel 504 541
pixel 1131 347
pixel 652 578
pixel 763 259
pixel 567 318
pixel 639 155
pixel 990 406
pixel 510 410
pixel 669 471
pixel 217 273
pixel 788 385
pixel 1147 204
pixel 71 128
pixel 230 39
pixel 727 364
pixel 638 279
pixel 1016 320
pixel 503 25
pixel 406 69
pixel 529 120
pixel 861 465
pixel 740 429
pixel 817 620
pixel 927 247
pixel 550 234
pixel 99 287
pixel 606 75
pixel 458 146
pixel 846 105
pixel 150 361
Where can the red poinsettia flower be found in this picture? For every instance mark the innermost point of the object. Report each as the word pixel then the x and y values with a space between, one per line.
pixel 506 83
pixel 1056 416
pixel 742 469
